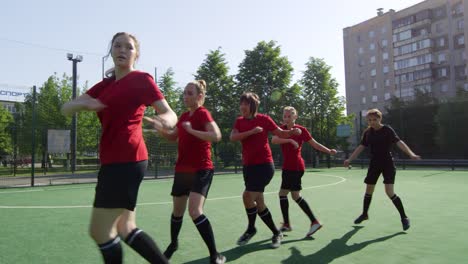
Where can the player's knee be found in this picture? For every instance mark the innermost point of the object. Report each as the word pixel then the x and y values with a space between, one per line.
pixel 195 212
pixel 125 227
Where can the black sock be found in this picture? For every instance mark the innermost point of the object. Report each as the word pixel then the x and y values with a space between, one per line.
pixel 399 205
pixel 204 228
pixel 252 216
pixel 176 225
pixel 305 207
pixel 145 246
pixel 366 204
pixel 284 204
pixel 111 251
pixel 268 220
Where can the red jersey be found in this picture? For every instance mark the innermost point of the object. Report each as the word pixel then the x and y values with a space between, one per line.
pixel 194 154
pixel 292 158
pixel 126 100
pixel 255 148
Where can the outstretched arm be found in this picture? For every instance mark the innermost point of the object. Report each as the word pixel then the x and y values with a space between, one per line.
pixel 321 147
pixel 402 145
pixel 356 153
pixel 165 120
pixel 83 103
pixel 279 141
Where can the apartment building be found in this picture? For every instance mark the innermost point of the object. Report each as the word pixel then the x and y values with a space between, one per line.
pixel 396 53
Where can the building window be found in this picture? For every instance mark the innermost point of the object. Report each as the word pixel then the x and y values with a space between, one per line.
pixel 362 88
pixel 372 46
pixel 361 62
pixel 385 56
pixel 361 50
pixel 372 59
pixel 385 69
pixel 371 34
pixel 441 42
pixel 387 82
pixel 457 9
pixel 383 30
pixel 444 87
pixel 363 100
pixel 441 58
pixel 465 87
pixel 387 96
pixel 461 40
pixel 374 98
pixel 361 75
pixel 384 43
pixel 439 27
pixel 375 85
pixel 373 72
pixel 358 38
pixel 460 24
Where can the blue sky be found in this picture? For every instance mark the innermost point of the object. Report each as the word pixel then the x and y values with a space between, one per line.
pixel 36 35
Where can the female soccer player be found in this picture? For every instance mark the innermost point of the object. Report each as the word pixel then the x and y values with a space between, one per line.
pixel 251 129
pixel 195 131
pixel 380 138
pixel 293 169
pixel 120 101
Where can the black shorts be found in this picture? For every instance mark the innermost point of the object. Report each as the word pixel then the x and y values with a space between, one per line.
pixel 386 168
pixel 118 185
pixel 198 182
pixel 291 180
pixel 256 177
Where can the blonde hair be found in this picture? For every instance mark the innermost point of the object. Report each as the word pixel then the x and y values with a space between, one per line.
pixel 111 72
pixel 290 109
pixel 375 112
pixel 200 86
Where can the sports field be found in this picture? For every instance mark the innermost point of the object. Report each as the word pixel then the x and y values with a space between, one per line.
pixel 49 224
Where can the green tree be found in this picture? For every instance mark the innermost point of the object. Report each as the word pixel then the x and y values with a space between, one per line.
pixel 167 84
pixel 8 129
pixel 322 105
pixel 452 128
pixel 268 74
pixel 221 98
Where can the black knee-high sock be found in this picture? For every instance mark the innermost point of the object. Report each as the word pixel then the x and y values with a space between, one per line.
pixel 111 251
pixel 204 228
pixel 252 216
pixel 399 205
pixel 305 207
pixel 284 204
pixel 366 203
pixel 176 225
pixel 268 220
pixel 145 246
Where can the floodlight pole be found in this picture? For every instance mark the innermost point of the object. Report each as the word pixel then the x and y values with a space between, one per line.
pixel 73 142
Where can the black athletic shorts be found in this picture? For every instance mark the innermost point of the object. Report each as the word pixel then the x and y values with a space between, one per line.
pixel 198 182
pixel 386 168
pixel 256 177
pixel 118 185
pixel 291 180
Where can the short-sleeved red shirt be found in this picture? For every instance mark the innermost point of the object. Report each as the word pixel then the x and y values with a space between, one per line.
pixel 126 100
pixel 194 154
pixel 292 158
pixel 255 148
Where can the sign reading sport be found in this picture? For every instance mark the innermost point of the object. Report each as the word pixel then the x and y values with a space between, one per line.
pixel 12 93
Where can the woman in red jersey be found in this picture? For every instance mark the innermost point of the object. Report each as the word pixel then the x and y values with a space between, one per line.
pixel 195 131
pixel 120 101
pixel 293 169
pixel 380 138
pixel 251 129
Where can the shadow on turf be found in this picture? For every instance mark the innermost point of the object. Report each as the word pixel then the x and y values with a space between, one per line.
pixel 335 249
pixel 239 251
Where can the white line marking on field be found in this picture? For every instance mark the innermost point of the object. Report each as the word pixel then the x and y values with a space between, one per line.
pixel 152 203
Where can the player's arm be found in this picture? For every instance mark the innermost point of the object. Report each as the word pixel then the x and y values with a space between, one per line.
pixel 321 147
pixel 356 153
pixel 286 133
pixel 238 136
pixel 83 103
pixel 402 145
pixel 277 140
pixel 165 120
pixel 212 133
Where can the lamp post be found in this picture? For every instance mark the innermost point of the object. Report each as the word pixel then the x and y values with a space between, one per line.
pixel 75 60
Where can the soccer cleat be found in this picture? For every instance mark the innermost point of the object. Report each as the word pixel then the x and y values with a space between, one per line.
pixel 244 239
pixel 173 246
pixel 314 227
pixel 361 218
pixel 276 240
pixel 219 259
pixel 406 223
pixel 285 227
